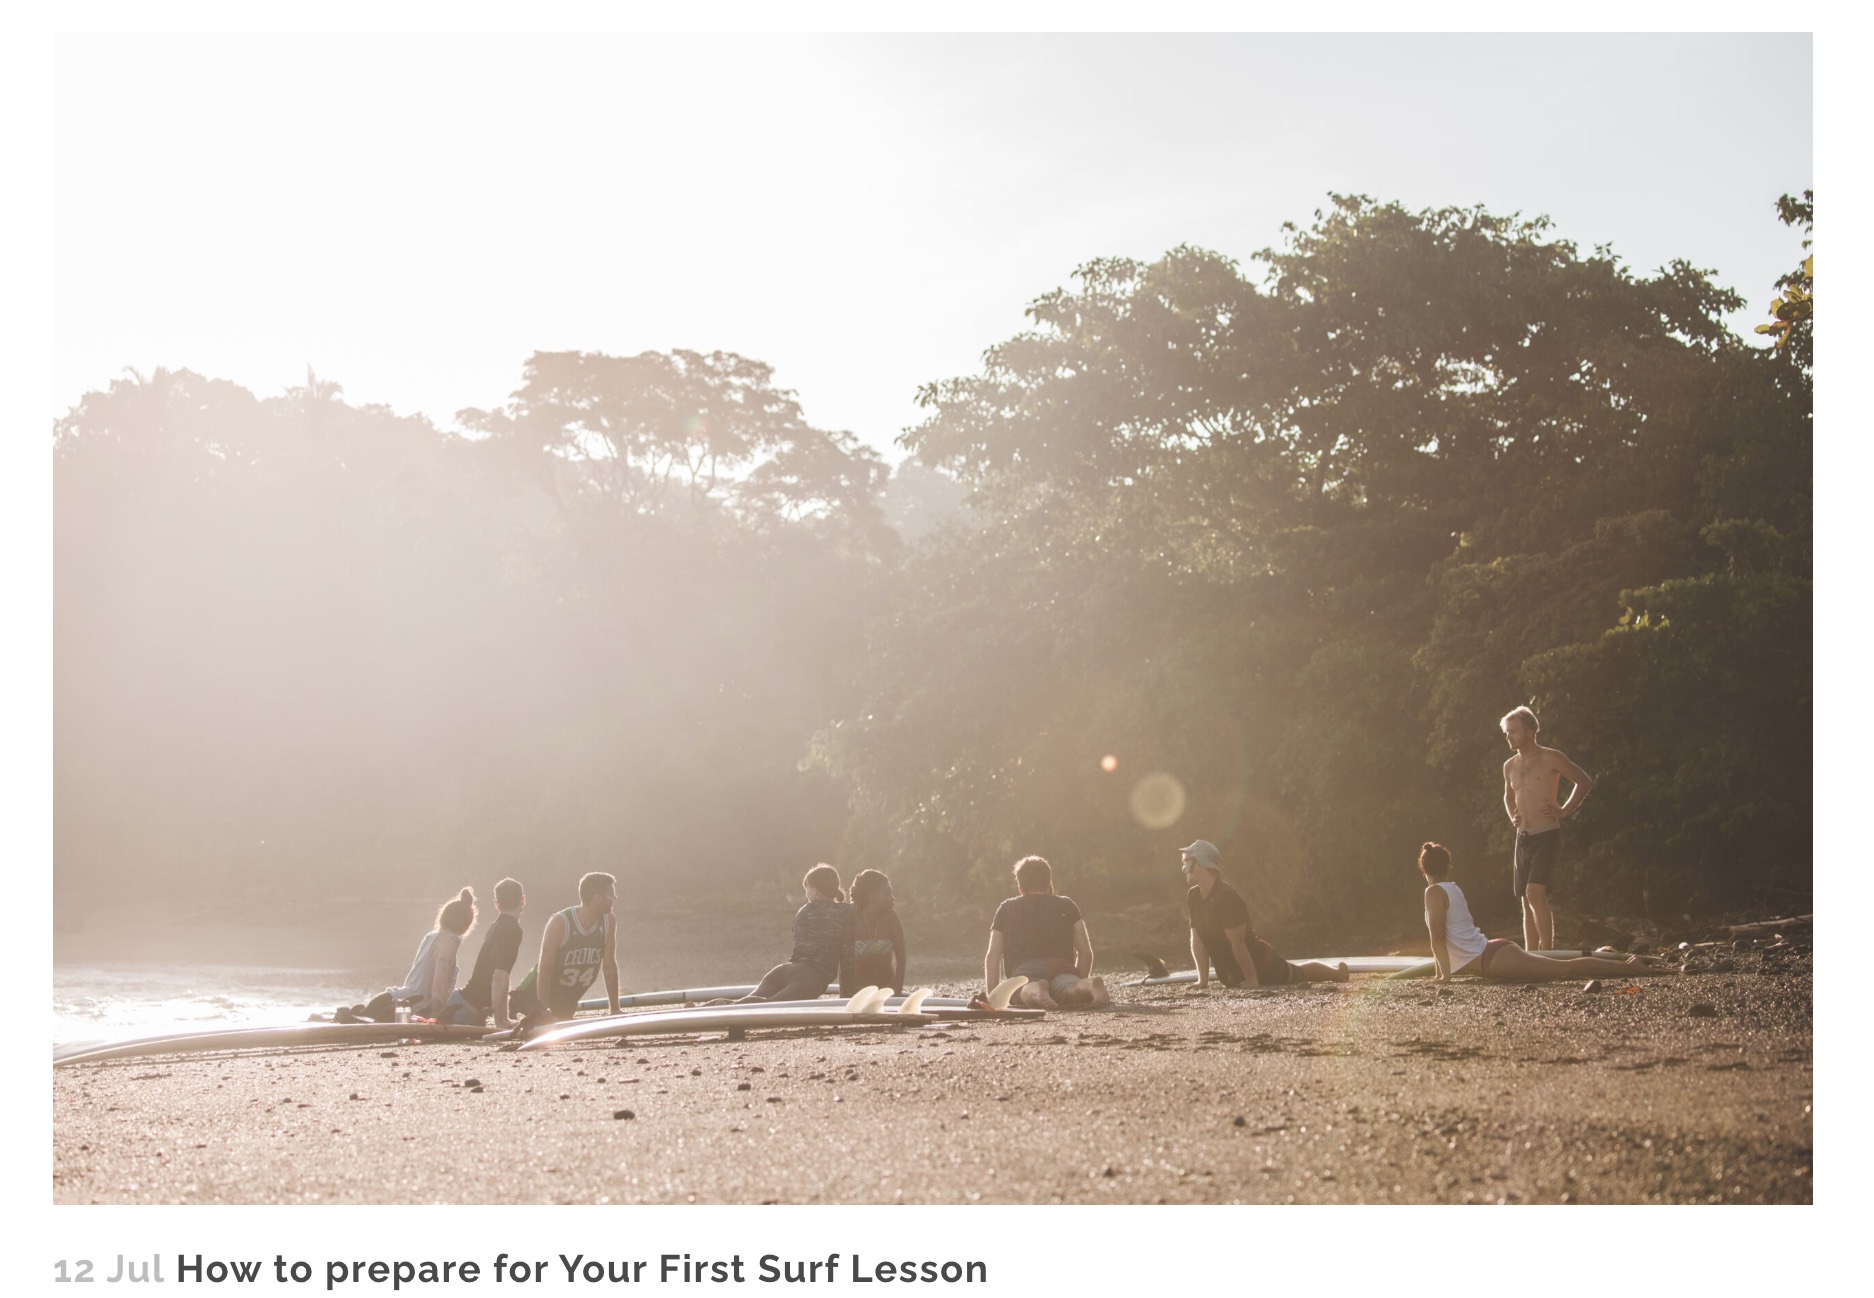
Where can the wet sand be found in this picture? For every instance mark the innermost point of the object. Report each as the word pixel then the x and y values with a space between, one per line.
pixel 1690 1089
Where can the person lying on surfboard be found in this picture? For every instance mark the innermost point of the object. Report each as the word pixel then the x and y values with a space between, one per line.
pixel 1041 936
pixel 1221 933
pixel 877 936
pixel 431 980
pixel 1459 946
pixel 577 945
pixel 823 930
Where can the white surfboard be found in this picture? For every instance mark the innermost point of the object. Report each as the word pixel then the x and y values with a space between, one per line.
pixel 720 1018
pixel 1427 967
pixel 1401 965
pixel 681 996
pixel 251 1038
pixel 938 1007
pixel 1355 964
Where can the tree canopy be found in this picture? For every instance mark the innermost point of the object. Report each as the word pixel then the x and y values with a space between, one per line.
pixel 1256 554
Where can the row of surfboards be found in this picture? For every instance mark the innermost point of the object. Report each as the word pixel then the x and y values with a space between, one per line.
pixel 872 1006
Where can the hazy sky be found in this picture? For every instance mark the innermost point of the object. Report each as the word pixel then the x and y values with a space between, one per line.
pixel 412 216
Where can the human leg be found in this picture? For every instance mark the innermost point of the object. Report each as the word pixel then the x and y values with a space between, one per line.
pixel 1511 963
pixel 459 1011
pixel 1536 858
pixel 803 983
pixel 1316 972
pixel 1035 995
pixel 1538 920
pixel 771 983
pixel 1038 992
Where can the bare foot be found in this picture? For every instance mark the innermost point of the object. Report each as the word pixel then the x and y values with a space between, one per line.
pixel 1035 996
pixel 1100 995
pixel 1341 974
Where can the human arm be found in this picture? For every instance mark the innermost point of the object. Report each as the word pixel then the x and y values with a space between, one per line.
pixel 992 961
pixel 1509 797
pixel 498 997
pixel 848 970
pixel 552 938
pixel 1437 905
pixel 442 971
pixel 1238 938
pixel 608 964
pixel 897 954
pixel 1200 955
pixel 1583 786
pixel 1083 950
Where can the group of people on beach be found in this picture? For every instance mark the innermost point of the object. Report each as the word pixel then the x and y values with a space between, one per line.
pixel 857 940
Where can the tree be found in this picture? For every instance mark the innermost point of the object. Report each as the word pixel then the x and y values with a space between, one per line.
pixel 1310 536
pixel 1794 311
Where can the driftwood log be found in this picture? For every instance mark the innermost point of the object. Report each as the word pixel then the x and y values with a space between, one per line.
pixel 1770 926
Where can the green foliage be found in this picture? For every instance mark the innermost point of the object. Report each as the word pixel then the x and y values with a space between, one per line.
pixel 298 639
pixel 1259 559
pixel 1793 313
pixel 1300 542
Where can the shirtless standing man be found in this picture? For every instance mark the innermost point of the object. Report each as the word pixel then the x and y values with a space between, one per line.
pixel 1531 780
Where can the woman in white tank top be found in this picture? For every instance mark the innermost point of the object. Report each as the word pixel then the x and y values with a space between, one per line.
pixel 1459 946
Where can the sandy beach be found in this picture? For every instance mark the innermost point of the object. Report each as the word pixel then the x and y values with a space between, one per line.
pixel 1685 1089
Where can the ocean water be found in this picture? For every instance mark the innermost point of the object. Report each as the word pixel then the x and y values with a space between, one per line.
pixel 99 1001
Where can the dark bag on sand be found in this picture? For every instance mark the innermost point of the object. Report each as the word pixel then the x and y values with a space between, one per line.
pixel 381 1008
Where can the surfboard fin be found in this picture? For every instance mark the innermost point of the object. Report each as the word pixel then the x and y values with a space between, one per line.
pixel 857 1003
pixel 1002 992
pixel 914 1001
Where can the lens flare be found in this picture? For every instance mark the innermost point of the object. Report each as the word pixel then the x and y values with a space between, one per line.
pixel 1109 763
pixel 1158 800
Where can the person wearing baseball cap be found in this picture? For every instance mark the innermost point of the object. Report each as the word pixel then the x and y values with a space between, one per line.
pixel 1221 933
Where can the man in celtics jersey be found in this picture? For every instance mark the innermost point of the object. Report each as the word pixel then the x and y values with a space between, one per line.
pixel 579 944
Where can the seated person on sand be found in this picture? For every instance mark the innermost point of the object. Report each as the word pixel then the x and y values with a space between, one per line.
pixel 822 953
pixel 428 986
pixel 578 944
pixel 878 956
pixel 1041 936
pixel 1221 932
pixel 486 991
pixel 1459 946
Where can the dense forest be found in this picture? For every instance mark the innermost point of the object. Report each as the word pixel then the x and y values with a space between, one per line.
pixel 1256 554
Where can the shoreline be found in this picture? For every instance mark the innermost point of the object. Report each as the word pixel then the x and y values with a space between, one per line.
pixel 1686 1089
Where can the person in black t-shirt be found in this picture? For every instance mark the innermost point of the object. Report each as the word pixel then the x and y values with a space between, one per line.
pixel 486 991
pixel 1042 937
pixel 1221 933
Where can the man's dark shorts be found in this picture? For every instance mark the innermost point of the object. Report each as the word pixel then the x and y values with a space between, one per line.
pixel 1536 858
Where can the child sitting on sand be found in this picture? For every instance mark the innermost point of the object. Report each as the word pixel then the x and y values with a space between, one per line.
pixel 877 937
pixel 431 980
pixel 823 931
pixel 1459 946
